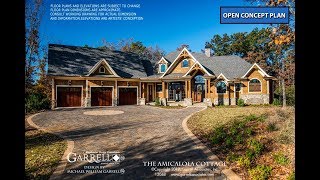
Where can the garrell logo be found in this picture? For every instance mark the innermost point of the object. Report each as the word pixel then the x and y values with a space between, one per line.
pixel 96 157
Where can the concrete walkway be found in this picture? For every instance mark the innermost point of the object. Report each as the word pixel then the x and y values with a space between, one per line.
pixel 141 133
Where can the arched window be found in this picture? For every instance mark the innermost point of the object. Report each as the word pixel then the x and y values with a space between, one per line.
pixel 163 68
pixel 199 79
pixel 185 63
pixel 254 85
pixel 221 87
pixel 102 69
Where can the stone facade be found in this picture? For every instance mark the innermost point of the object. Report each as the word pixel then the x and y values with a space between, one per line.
pixel 142 101
pixel 87 102
pixel 233 101
pixel 163 101
pixel 53 104
pixel 221 101
pixel 187 101
pixel 255 98
pixel 208 101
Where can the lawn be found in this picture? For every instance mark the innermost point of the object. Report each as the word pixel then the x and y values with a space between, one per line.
pixel 257 142
pixel 43 152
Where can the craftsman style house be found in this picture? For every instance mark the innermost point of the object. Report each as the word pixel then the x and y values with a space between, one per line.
pixel 83 76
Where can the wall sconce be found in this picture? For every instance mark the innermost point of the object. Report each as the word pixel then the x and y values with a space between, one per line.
pixel 101 83
pixel 128 84
pixel 69 82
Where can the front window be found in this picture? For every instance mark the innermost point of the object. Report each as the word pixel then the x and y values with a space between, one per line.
pixel 162 68
pixel 185 63
pixel 221 87
pixel 199 79
pixel 102 69
pixel 238 86
pixel 159 87
pixel 254 85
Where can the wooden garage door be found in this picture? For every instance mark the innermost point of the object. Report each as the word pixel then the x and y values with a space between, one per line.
pixel 127 96
pixel 101 96
pixel 68 96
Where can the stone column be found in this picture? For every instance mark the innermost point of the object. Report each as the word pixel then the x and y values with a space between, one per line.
pixel 209 93
pixel 163 89
pixel 115 95
pixel 205 88
pixel 186 88
pixel 189 89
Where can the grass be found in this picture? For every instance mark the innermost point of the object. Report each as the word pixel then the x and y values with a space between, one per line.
pixel 249 139
pixel 43 152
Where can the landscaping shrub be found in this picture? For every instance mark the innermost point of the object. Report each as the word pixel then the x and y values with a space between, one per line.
pixel 240 102
pixel 276 102
pixel 281 159
pixel 219 135
pixel 256 146
pixel 251 117
pixel 229 142
pixel 260 172
pixel 157 102
pixel 232 157
pixel 271 127
pixel 36 102
pixel 291 176
pixel 244 161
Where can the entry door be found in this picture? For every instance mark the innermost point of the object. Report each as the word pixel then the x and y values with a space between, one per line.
pixel 198 93
pixel 150 91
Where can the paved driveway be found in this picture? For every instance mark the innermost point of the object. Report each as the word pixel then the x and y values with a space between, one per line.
pixel 142 133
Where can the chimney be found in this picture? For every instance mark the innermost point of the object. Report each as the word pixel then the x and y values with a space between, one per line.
pixel 207 51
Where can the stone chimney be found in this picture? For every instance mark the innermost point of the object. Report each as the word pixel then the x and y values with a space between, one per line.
pixel 207 51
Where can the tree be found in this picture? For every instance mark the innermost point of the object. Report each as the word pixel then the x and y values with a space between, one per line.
pixel 33 14
pixel 183 46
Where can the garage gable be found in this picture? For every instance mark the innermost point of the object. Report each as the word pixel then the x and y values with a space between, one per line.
pixel 102 68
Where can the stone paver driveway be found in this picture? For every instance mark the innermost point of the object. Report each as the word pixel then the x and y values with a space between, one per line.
pixel 142 133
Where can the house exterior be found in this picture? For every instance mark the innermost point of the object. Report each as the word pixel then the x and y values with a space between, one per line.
pixel 85 77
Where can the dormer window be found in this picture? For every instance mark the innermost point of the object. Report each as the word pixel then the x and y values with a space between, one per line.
pixel 185 63
pixel 102 70
pixel 162 68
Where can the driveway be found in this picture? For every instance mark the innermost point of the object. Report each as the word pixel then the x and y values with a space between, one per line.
pixel 141 133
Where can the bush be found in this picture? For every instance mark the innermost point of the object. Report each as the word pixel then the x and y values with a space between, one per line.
pixel 291 176
pixel 276 102
pixel 248 131
pixel 251 117
pixel 256 146
pixel 240 102
pixel 36 102
pixel 219 135
pixel 244 161
pixel 157 102
pixel 260 172
pixel 232 157
pixel 290 95
pixel 280 158
pixel 271 127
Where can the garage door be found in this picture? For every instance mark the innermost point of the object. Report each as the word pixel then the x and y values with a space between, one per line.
pixel 68 96
pixel 101 96
pixel 127 96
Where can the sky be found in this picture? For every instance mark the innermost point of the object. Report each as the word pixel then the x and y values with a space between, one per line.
pixel 167 24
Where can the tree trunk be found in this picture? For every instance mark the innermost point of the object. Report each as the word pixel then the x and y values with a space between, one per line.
pixel 284 98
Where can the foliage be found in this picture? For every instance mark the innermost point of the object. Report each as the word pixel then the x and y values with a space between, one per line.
pixel 244 161
pixel 260 172
pixel 43 151
pixel 281 159
pixel 183 46
pixel 291 176
pixel 290 95
pixel 231 157
pixel 276 102
pixel 255 145
pixel 219 135
pixel 36 101
pixel 271 127
pixel 157 101
pixel 251 117
pixel 240 102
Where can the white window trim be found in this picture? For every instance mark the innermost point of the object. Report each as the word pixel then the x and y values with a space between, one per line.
pixel 254 91
pixel 162 58
pixel 182 63
pixel 128 87
pixel 160 67
pixel 104 69
pixel 226 87
pixel 95 86
pixel 69 86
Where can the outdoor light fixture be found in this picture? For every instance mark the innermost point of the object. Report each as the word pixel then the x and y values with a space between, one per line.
pixel 101 83
pixel 69 82
pixel 128 84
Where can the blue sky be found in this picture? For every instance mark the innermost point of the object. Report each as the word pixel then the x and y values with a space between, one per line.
pixel 167 23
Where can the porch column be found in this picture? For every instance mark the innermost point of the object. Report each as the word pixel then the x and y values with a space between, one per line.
pixel 142 90
pixel 209 93
pixel 186 88
pixel 87 94
pixel 189 88
pixel 53 101
pixel 115 99
pixel 163 89
pixel 205 89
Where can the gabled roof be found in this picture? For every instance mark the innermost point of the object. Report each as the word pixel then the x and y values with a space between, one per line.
pixel 64 60
pixel 98 64
pixel 261 71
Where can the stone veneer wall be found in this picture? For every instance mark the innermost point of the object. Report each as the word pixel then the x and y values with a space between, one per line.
pixel 255 98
